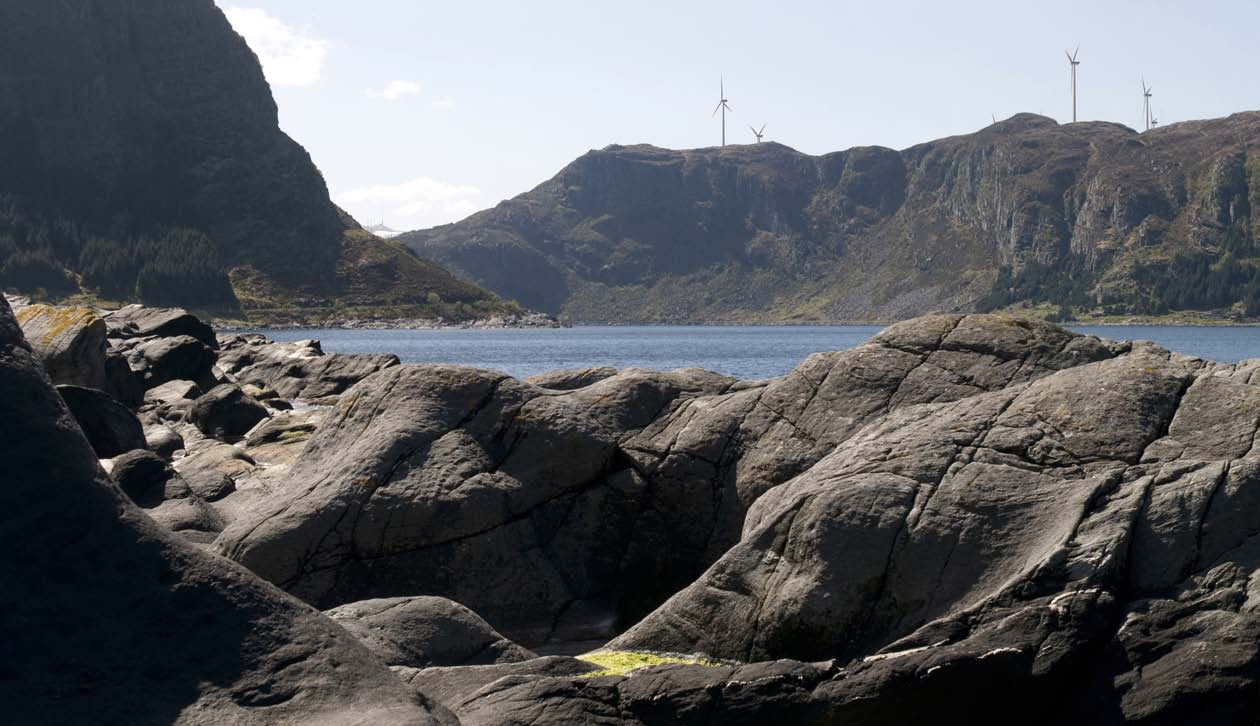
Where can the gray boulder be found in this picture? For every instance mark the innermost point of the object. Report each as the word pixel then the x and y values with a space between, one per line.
pixel 226 413
pixel 150 482
pixel 160 360
pixel 568 515
pixel 70 342
pixel 138 321
pixel 105 618
pixel 110 427
pixel 121 382
pixel 163 441
pixel 470 485
pixel 211 470
pixel 419 632
pixel 298 370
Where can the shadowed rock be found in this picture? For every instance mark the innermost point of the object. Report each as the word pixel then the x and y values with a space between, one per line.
pixel 227 413
pixel 419 632
pixel 107 619
pixel 110 427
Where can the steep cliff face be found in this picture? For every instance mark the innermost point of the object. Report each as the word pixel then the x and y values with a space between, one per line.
pixel 1092 215
pixel 140 154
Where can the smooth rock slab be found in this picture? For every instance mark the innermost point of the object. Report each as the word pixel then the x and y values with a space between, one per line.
pixel 420 632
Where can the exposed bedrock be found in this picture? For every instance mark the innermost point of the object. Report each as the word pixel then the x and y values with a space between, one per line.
pixel 569 514
pixel 108 619
pixel 296 370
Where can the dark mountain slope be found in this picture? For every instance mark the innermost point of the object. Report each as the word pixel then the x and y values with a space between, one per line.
pixel 1093 215
pixel 141 156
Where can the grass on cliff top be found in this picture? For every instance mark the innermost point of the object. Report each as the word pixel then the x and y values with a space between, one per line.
pixel 621 662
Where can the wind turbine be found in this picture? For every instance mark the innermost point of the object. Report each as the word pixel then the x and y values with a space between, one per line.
pixel 723 108
pixel 1146 103
pixel 1074 63
pixel 757 133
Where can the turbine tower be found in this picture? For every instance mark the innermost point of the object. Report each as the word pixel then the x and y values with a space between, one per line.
pixel 722 107
pixel 1074 63
pixel 757 133
pixel 1146 103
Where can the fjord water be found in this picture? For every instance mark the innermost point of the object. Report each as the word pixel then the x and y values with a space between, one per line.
pixel 741 351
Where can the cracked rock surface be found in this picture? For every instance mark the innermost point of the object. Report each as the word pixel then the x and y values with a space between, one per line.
pixel 965 513
pixel 569 514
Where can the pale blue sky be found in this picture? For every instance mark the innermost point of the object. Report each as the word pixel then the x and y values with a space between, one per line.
pixel 423 112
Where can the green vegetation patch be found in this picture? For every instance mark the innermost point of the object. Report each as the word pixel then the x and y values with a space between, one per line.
pixel 621 662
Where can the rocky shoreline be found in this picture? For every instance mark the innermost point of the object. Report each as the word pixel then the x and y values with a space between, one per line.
pixel 496 322
pixel 970 517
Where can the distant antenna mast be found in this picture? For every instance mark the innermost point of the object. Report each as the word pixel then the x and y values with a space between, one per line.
pixel 1146 104
pixel 1074 63
pixel 722 106
pixel 757 133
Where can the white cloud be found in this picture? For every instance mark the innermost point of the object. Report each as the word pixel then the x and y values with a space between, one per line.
pixel 289 57
pixel 395 90
pixel 443 104
pixel 416 204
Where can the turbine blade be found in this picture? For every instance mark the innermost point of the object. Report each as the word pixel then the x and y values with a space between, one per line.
pixel 763 128
pixel 719 108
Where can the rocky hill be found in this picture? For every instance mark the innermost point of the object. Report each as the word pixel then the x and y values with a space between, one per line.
pixel 1093 216
pixel 141 157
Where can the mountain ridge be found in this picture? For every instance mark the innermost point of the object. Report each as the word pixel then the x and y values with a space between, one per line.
pixel 1092 216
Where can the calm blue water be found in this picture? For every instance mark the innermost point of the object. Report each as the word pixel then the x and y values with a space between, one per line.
pixel 743 351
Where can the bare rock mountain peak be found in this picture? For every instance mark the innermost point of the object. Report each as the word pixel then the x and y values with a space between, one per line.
pixel 1093 215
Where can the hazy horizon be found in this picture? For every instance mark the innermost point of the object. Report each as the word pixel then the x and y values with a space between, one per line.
pixel 413 124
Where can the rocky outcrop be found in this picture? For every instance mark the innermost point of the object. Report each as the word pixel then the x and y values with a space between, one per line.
pixel 227 413
pixel 162 360
pixel 964 516
pixel 138 321
pixel 109 426
pixel 580 511
pixel 296 370
pixel 70 341
pixel 421 632
pixel 108 619
pixel 1091 215
pixel 150 482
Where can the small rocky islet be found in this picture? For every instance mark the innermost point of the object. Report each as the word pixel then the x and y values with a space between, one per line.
pixel 969 517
